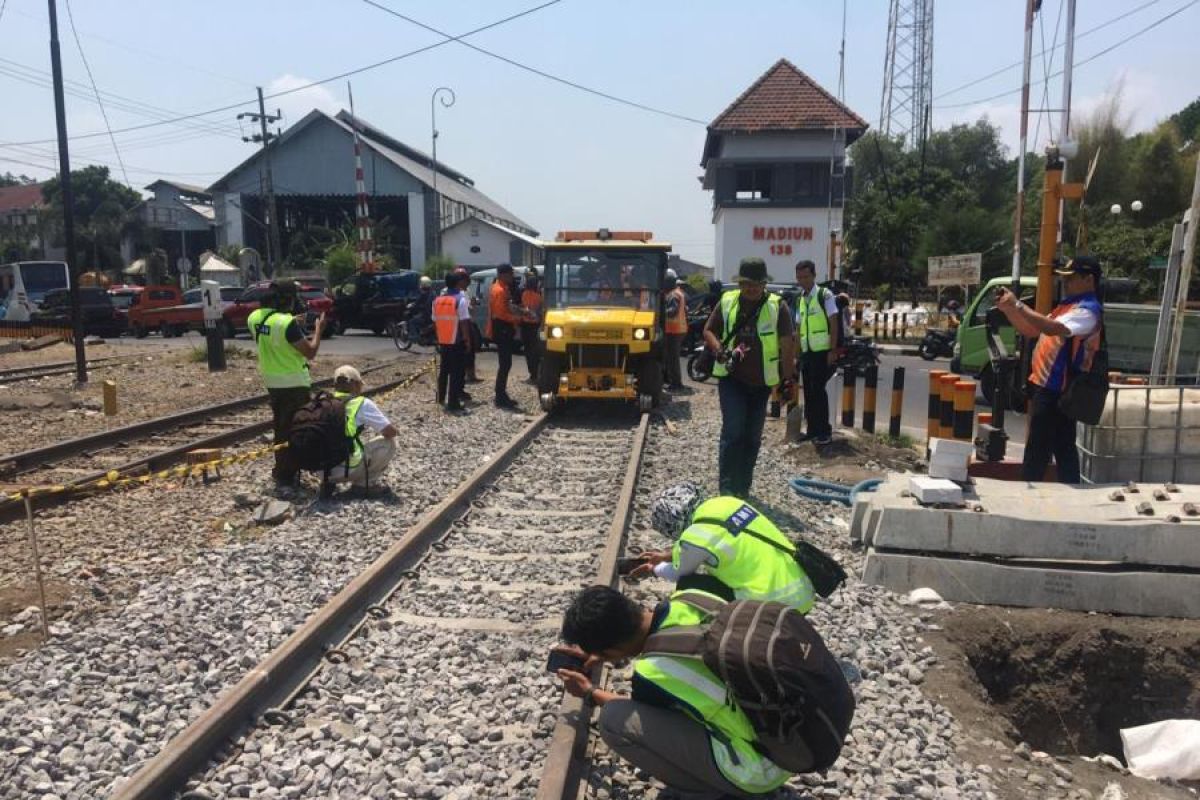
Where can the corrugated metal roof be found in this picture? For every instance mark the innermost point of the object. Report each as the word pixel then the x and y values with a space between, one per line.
pixel 524 237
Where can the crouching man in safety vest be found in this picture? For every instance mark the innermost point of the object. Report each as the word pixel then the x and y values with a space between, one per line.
pixel 727 547
pixel 367 460
pixel 679 724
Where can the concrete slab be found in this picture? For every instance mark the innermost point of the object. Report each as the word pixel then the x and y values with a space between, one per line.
pixel 1028 585
pixel 1130 541
pixel 41 342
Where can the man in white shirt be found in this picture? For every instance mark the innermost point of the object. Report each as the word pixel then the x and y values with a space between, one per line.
pixel 367 459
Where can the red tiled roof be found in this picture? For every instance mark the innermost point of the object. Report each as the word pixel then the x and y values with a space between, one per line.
pixel 785 99
pixel 21 198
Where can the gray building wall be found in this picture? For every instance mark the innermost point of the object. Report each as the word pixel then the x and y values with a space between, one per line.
pixel 794 145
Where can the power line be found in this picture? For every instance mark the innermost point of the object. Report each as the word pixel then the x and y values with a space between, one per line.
pixel 535 70
pixel 1016 64
pixel 1087 60
pixel 91 78
pixel 294 89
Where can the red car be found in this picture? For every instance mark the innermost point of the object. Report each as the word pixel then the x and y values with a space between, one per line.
pixel 234 321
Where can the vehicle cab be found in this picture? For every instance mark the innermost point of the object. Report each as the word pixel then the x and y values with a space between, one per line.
pixel 603 317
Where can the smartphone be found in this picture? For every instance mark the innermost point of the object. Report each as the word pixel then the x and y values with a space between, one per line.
pixel 628 565
pixel 560 660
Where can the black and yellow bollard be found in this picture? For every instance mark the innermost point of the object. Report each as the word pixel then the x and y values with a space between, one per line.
pixel 904 326
pixel 870 383
pixel 849 378
pixel 897 402
pixel 934 429
pixel 964 410
pixel 946 396
pixel 858 319
pixel 875 324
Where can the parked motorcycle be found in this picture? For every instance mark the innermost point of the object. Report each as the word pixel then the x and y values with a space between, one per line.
pixel 858 352
pixel 699 364
pixel 695 332
pixel 937 343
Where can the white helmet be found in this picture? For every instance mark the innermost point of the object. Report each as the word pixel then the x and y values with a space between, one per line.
pixel 672 509
pixel 426 282
pixel 672 277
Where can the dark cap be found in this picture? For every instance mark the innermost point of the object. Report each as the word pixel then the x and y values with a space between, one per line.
pixel 752 269
pixel 1081 265
pixel 504 269
pixel 285 286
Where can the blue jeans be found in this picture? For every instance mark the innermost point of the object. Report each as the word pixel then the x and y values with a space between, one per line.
pixel 743 413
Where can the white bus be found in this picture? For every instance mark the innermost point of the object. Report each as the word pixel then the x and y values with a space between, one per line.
pixel 25 283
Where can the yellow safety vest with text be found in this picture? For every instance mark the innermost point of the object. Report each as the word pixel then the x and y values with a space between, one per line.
pixel 281 365
pixel 766 327
pixel 699 693
pixel 352 429
pixel 812 323
pixel 728 529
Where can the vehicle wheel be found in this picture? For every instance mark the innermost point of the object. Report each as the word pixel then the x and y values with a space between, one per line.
pixel 139 332
pixel 400 336
pixel 927 351
pixel 548 402
pixel 549 370
pixel 227 329
pixel 336 328
pixel 649 380
pixel 694 371
pixel 378 330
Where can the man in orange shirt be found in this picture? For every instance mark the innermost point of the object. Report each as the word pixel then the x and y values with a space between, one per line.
pixel 503 317
pixel 675 313
pixel 531 304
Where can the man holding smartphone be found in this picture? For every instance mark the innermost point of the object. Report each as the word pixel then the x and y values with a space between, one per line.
pixel 1067 342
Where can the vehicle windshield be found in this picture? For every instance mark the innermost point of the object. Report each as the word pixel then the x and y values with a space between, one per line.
pixel 122 299
pixel 40 277
pixel 604 277
pixel 230 293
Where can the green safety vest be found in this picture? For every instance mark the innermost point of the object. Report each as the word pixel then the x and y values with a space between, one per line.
pixel 728 529
pixel 812 322
pixel 352 429
pixel 702 695
pixel 767 328
pixel 280 363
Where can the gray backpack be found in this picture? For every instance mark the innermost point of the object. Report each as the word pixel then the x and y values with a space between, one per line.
pixel 778 671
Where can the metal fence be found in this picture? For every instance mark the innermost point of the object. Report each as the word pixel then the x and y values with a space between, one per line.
pixel 1149 432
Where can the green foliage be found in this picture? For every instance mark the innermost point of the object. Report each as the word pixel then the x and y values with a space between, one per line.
pixel 230 253
pixel 437 266
pixel 883 294
pixel 102 209
pixel 341 262
pixel 697 282
pixel 1187 121
pixel 8 179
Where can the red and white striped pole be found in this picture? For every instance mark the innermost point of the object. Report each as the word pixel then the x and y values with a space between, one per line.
pixel 362 213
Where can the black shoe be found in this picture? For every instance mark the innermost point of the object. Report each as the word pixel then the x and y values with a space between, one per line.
pixel 456 408
pixel 823 439
pixel 804 437
pixel 463 397
pixel 506 402
pixel 474 379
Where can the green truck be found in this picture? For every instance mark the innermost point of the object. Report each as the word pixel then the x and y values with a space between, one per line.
pixel 1131 328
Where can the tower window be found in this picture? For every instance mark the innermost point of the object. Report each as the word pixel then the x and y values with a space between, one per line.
pixel 753 183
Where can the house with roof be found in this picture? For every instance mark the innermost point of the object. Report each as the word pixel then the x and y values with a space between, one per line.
pixel 775 163
pixel 181 219
pixel 480 243
pixel 19 209
pixel 313 171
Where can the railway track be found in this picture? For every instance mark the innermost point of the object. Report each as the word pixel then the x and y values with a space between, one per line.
pixel 17 374
pixel 143 447
pixel 404 664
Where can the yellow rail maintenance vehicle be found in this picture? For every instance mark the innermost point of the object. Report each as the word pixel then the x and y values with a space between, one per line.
pixel 603 329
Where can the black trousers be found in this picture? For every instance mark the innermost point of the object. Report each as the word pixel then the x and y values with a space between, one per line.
pixel 815 372
pixel 672 374
pixel 743 413
pixel 533 348
pixel 452 374
pixel 284 404
pixel 503 334
pixel 1050 433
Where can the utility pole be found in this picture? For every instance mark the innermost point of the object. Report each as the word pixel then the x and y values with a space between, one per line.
pixel 64 182
pixel 274 249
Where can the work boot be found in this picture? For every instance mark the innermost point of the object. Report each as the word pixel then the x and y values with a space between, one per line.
pixel 473 378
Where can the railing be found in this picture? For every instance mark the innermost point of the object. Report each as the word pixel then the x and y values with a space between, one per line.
pixel 1149 432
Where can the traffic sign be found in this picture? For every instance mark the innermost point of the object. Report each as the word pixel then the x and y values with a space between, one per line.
pixel 959 270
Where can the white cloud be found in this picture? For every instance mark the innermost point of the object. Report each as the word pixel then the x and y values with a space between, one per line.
pixel 295 105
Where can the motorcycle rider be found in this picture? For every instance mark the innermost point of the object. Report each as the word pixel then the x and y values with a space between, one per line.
pixel 422 309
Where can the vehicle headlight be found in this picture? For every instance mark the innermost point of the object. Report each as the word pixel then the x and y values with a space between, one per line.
pixel 639 333
pixel 556 332
pixel 957 350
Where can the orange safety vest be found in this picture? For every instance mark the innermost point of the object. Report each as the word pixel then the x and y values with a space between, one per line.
pixel 678 323
pixel 445 318
pixel 532 300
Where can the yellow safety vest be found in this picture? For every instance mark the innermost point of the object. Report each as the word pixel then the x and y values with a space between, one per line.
pixel 812 322
pixel 281 365
pixel 728 529
pixel 699 693
pixel 352 429
pixel 767 328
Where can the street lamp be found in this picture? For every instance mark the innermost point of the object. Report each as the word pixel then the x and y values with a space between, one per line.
pixel 446 95
pixel 1135 207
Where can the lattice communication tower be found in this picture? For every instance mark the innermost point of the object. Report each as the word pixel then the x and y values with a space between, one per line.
pixel 907 106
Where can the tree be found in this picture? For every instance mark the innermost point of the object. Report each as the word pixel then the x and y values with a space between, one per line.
pixel 102 209
pixel 8 179
pixel 1187 121
pixel 341 262
pixel 437 266
pixel 1158 178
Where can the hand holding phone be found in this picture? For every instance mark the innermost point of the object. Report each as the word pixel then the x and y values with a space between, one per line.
pixel 560 659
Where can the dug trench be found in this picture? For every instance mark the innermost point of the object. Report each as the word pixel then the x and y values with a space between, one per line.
pixel 1064 684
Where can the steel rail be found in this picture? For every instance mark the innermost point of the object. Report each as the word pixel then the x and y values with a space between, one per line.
pixel 32 371
pixel 565 764
pixel 18 463
pixel 273 680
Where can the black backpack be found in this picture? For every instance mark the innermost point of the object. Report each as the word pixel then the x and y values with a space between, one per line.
pixel 318 440
pixel 778 671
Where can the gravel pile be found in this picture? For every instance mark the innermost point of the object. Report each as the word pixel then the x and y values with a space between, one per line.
pixel 447 696
pixel 175 596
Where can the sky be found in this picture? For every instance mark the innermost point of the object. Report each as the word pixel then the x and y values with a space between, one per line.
pixel 556 156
